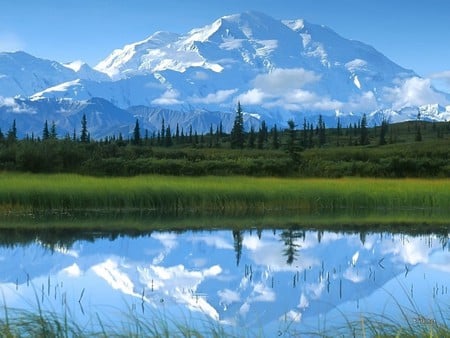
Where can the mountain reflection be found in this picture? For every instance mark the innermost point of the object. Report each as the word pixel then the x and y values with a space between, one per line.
pixel 268 279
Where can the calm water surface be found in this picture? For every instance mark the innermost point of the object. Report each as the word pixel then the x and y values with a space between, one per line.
pixel 278 282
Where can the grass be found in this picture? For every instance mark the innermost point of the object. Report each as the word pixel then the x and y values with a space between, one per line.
pixel 21 323
pixel 217 195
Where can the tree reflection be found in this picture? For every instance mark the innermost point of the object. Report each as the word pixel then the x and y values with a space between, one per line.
pixel 237 238
pixel 289 238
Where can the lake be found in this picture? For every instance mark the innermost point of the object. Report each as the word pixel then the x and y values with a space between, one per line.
pixel 272 281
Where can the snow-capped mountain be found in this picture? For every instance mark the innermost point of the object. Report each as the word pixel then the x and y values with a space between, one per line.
pixel 22 74
pixel 277 69
pixel 103 118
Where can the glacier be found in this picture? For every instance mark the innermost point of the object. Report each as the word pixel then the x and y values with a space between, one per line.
pixel 277 69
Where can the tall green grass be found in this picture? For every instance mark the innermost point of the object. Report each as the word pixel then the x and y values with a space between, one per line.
pixel 21 323
pixel 222 195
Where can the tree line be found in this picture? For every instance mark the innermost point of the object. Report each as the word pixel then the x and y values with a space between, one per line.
pixel 309 149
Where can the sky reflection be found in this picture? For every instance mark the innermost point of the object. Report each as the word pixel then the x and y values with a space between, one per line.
pixel 270 280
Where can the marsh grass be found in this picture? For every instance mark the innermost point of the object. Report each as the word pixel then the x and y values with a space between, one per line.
pixel 21 323
pixel 217 195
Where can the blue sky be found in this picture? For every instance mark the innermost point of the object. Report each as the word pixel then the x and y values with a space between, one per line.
pixel 413 33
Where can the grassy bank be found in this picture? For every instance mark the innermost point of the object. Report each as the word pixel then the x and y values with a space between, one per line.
pixel 217 195
pixel 19 323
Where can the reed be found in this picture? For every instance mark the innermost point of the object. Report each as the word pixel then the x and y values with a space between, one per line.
pixel 222 195
pixel 21 323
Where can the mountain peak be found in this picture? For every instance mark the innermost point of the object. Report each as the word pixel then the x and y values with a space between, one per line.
pixel 273 67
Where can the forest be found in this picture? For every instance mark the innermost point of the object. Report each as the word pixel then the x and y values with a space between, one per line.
pixel 408 149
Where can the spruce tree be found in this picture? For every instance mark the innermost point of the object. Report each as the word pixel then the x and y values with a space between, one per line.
pixel 168 137
pixel 321 131
pixel 275 138
pixel 364 133
pixel 251 138
pixel 12 133
pixel 45 131
pixel 137 133
pixel 84 138
pixel 262 135
pixel 237 133
pixel 383 132
pixel 53 133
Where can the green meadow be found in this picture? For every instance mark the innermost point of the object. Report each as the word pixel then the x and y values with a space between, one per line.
pixel 215 195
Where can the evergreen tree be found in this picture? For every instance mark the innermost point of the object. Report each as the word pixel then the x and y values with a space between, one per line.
pixel 364 134
pixel 45 132
pixel 310 136
pixel 321 131
pixel 383 132
pixel 262 135
pixel 168 137
pixel 12 133
pixel 84 132
pixel 305 134
pixel 211 136
pixel 53 135
pixel 137 133
pixel 339 127
pixel 237 132
pixel 191 139
pixel 220 129
pixel 291 147
pixel 177 134
pixel 418 137
pixel 217 138
pixel 251 138
pixel 275 138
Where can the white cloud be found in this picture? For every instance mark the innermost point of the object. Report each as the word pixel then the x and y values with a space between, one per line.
pixel 10 42
pixel 280 81
pixel 441 80
pixel 200 75
pixel 217 97
pixel 445 75
pixel 253 96
pixel 169 97
pixel 286 88
pixel 414 91
pixel 228 296
pixel 13 106
pixel 214 241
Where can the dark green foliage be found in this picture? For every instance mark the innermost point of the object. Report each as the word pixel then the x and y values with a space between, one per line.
pixel 45 131
pixel 213 153
pixel 237 136
pixel 137 133
pixel 12 133
pixel 364 134
pixel 383 132
pixel 321 131
pixel 84 137
pixel 53 134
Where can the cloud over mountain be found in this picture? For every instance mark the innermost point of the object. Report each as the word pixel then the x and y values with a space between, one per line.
pixel 277 69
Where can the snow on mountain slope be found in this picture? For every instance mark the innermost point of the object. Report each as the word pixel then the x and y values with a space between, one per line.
pixel 103 118
pixel 85 72
pixel 280 70
pixel 268 65
pixel 23 74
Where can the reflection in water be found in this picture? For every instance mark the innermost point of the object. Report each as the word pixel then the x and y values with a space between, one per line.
pixel 272 280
